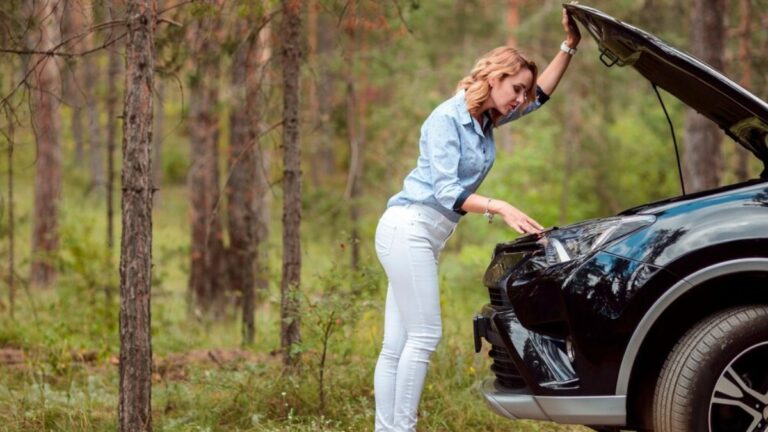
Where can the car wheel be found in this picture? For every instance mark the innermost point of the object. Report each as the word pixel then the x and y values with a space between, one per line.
pixel 716 378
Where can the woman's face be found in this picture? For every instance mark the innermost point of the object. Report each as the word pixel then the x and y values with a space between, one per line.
pixel 509 93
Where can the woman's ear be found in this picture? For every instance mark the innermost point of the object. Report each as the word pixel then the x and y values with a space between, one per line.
pixel 493 82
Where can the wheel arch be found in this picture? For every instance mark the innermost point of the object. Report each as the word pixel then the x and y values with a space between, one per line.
pixel 690 300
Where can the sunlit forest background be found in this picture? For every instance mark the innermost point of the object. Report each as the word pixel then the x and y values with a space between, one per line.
pixel 370 73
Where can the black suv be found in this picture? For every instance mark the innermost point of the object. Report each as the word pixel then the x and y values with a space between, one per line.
pixel 656 318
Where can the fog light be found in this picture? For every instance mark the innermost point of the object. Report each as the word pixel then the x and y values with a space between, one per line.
pixel 569 350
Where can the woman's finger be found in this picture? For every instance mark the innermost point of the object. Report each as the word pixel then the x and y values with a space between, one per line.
pixel 527 227
pixel 565 20
pixel 534 229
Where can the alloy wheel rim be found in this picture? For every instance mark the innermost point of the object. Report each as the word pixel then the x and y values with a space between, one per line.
pixel 739 401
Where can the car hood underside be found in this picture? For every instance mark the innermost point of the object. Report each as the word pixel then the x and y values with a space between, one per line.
pixel 742 116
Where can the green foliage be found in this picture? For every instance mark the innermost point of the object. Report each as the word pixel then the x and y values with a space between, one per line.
pixel 175 166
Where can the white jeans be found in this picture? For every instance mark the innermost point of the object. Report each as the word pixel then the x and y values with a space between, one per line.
pixel 408 242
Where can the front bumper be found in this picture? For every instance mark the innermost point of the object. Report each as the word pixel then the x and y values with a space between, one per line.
pixel 534 378
pixel 539 361
pixel 521 404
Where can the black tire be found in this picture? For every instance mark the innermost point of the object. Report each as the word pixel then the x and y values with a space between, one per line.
pixel 685 396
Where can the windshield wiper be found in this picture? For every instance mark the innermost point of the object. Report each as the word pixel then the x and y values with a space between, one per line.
pixel 674 140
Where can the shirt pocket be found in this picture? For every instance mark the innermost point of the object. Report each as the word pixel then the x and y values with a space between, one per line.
pixel 471 161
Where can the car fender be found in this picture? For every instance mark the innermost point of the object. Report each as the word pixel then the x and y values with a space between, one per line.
pixel 657 309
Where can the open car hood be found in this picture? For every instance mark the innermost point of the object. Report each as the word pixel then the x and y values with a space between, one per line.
pixel 742 115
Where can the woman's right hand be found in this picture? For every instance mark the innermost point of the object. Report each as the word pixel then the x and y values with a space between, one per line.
pixel 516 219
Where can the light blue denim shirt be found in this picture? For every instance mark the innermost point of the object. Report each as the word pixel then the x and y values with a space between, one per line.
pixel 455 155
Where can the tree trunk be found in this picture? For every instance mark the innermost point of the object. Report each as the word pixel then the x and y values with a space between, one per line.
pixel 113 72
pixel 289 289
pixel 90 79
pixel 134 409
pixel 326 157
pixel 11 222
pixel 313 114
pixel 208 279
pixel 355 169
pixel 240 188
pixel 507 136
pixel 45 91
pixel 71 79
pixel 355 125
pixel 513 20
pixel 244 165
pixel 255 98
pixel 703 149
pixel 742 161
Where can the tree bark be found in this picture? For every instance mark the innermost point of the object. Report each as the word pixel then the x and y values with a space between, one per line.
pixel 45 91
pixel 291 280
pixel 134 409
pixel 703 150
pixel 208 279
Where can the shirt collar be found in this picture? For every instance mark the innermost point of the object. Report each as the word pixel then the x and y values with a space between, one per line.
pixel 465 117
pixel 461 107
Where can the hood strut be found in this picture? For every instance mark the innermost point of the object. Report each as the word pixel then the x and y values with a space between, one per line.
pixel 674 140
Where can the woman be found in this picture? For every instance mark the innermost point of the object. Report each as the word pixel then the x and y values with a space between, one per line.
pixel 456 152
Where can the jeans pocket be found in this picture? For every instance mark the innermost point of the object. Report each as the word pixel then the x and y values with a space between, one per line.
pixel 385 237
pixel 447 237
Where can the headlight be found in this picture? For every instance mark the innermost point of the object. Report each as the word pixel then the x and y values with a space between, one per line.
pixel 572 242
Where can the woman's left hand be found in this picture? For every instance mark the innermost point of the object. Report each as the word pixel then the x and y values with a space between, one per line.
pixel 572 33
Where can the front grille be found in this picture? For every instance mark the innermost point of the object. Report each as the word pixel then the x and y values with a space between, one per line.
pixel 498 296
pixel 506 373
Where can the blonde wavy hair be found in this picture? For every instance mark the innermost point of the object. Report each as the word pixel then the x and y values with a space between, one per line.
pixel 499 62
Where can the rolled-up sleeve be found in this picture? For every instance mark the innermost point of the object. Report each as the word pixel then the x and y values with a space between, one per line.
pixel 444 150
